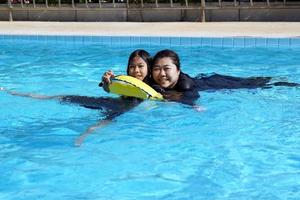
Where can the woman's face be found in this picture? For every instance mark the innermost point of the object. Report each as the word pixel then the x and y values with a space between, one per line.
pixel 138 68
pixel 165 73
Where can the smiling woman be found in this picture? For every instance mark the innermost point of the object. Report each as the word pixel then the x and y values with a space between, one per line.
pixel 165 72
pixel 169 80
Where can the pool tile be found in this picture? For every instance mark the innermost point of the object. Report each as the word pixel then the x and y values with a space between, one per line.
pixel 135 40
pixel 40 38
pixel 196 41
pixel 295 42
pixel 106 39
pixel 186 41
pixel 165 41
pixel 97 39
pixel 217 42
pixel 272 42
pixel 77 39
pixel 67 39
pixel 206 41
pixel 116 40
pixel 125 40
pixel 155 40
pixel 227 42
pixel 284 42
pixel 175 41
pixel 260 42
pixel 250 42
pixel 145 40
pixel 53 38
pixel 239 42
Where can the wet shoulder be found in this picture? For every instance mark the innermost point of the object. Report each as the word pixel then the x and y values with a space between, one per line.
pixel 184 83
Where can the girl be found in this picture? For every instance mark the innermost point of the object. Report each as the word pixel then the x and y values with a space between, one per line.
pixel 138 66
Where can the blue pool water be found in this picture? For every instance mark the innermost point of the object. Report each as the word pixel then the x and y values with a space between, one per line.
pixel 245 145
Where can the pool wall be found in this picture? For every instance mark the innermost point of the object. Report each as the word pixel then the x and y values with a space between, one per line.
pixel 161 40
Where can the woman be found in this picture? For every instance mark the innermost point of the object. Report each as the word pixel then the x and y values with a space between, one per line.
pixel 170 81
pixel 175 85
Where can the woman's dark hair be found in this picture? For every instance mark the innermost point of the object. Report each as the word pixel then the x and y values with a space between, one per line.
pixel 167 53
pixel 146 57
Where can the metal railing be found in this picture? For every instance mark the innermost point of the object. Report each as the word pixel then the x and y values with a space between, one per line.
pixel 145 3
pixel 201 5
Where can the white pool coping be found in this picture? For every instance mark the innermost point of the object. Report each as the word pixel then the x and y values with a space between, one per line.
pixel 177 29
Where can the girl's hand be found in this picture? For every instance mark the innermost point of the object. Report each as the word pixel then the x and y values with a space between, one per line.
pixel 106 79
pixel 107 76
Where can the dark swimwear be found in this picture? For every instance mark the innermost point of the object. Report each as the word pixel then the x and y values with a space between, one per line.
pixel 185 91
pixel 190 87
pixel 217 82
pixel 111 107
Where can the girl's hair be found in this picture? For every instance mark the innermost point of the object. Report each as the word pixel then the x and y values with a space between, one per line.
pixel 167 53
pixel 146 57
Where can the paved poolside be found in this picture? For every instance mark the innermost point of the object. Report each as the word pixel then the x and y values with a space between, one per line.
pixel 211 29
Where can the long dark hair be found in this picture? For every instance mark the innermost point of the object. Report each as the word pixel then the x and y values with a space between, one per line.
pixel 146 57
pixel 167 53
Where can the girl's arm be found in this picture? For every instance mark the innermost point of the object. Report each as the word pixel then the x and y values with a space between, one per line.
pixel 35 96
pixel 79 141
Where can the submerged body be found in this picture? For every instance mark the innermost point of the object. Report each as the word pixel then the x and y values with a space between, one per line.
pixel 189 87
pixel 110 107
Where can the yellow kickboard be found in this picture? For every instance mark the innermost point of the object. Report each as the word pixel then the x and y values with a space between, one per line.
pixel 133 87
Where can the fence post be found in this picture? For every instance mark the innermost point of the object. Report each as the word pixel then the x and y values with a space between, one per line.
pixel 203 11
pixel 10 16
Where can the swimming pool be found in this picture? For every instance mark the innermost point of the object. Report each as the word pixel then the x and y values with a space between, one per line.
pixel 244 146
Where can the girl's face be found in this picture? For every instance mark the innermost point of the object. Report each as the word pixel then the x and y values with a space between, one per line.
pixel 138 68
pixel 165 73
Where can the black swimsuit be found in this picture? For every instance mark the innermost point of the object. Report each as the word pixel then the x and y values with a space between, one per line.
pixel 190 87
pixel 185 85
pixel 186 88
pixel 111 107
